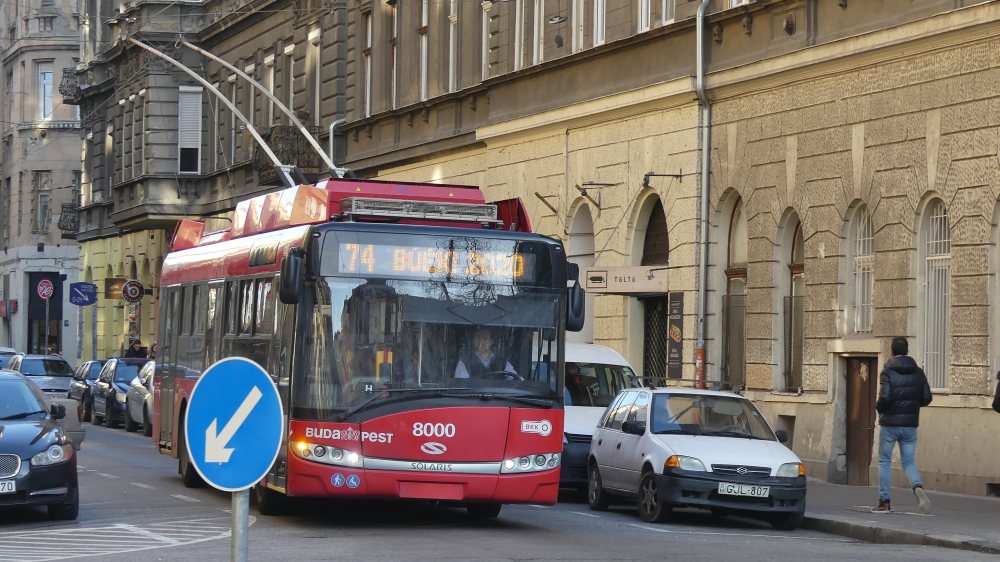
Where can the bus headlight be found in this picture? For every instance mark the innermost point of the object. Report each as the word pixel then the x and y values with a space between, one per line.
pixel 327 455
pixel 530 463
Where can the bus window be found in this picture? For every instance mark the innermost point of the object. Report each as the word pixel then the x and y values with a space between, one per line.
pixel 265 307
pixel 246 306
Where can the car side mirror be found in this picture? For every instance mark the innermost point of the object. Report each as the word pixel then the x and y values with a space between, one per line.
pixel 782 436
pixel 633 428
pixel 58 411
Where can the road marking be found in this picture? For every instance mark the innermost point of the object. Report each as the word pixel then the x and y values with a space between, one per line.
pixel 541 506
pixel 740 534
pixel 584 513
pixel 185 498
pixel 146 533
pixel 80 466
pixel 141 485
pixel 106 475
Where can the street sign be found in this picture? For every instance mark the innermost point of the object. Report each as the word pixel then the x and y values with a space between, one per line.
pixel 45 289
pixel 234 424
pixel 132 291
pixel 82 294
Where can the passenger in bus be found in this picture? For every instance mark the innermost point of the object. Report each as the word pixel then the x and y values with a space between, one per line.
pixel 481 359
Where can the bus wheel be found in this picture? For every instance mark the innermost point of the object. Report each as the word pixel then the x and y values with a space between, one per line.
pixel 185 467
pixel 269 502
pixel 484 510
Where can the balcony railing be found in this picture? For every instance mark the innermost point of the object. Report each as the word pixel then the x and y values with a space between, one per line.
pixel 69 221
pixel 69 88
pixel 290 147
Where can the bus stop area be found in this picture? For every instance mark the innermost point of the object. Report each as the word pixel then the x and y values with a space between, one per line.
pixel 965 522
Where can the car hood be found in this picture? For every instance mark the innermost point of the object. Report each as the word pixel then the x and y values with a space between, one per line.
pixel 27 437
pixel 582 420
pixel 47 383
pixel 729 450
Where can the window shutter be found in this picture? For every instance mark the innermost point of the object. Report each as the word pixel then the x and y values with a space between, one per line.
pixel 189 129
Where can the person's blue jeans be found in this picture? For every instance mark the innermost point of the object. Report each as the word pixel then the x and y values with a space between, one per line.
pixel 888 437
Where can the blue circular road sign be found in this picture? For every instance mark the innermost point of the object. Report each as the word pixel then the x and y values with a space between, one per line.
pixel 234 424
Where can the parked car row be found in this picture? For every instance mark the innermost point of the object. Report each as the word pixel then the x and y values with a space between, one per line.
pixel 122 394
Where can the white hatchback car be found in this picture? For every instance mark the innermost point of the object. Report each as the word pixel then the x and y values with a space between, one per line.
pixel 682 447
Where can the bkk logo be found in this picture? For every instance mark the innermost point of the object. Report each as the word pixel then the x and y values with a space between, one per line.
pixel 543 427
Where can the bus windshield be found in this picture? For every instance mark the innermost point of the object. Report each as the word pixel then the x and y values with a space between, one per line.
pixel 373 336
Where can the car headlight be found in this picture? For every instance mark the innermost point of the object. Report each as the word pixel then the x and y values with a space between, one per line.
pixel 53 455
pixel 684 463
pixel 791 470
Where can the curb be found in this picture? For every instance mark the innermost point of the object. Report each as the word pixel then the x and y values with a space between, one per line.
pixel 889 535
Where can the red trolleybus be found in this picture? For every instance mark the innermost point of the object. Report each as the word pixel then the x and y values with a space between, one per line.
pixel 415 334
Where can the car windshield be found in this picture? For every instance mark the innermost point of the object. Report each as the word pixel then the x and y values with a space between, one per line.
pixel 19 401
pixel 596 384
pixel 45 367
pixel 700 414
pixel 125 372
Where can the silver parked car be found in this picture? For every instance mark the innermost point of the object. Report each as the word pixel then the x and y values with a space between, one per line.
pixel 139 400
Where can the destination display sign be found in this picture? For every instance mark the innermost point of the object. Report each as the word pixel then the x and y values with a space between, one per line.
pixel 435 263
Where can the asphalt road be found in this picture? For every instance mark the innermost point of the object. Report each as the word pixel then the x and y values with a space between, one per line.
pixel 133 506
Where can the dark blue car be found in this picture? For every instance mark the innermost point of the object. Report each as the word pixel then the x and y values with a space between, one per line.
pixel 111 388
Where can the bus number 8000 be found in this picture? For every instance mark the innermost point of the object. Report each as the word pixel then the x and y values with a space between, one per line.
pixel 433 429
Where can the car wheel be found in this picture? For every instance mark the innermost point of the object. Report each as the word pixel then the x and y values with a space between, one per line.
pixel 147 428
pixel 269 502
pixel 185 467
pixel 88 409
pixel 68 510
pixel 651 508
pixel 789 521
pixel 597 498
pixel 130 425
pixel 484 510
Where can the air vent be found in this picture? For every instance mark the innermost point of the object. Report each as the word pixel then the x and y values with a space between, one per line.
pixel 430 210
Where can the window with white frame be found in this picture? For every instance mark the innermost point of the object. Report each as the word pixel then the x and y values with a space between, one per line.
pixel 578 21
pixel 215 142
pixel 189 129
pixel 600 14
pixel 453 46
pixel 862 276
pixel 734 303
pixel 366 79
pixel 251 106
pixel 424 47
pixel 538 32
pixel 486 41
pixel 44 89
pixel 141 137
pixel 393 59
pixel 794 310
pixel 41 189
pixel 269 64
pixel 518 34
pixel 668 11
pixel 290 78
pixel 232 120
pixel 735 3
pixel 315 48
pixel 120 158
pixel 643 15
pixel 128 124
pixel 936 279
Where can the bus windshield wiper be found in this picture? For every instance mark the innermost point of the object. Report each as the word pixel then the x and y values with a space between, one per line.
pixel 544 402
pixel 22 415
pixel 379 396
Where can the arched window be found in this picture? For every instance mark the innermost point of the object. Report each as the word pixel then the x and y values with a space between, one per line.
pixel 794 308
pixel 655 251
pixel 734 302
pixel 862 277
pixel 581 252
pixel 936 279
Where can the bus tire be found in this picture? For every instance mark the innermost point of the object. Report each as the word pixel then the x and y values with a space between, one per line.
pixel 484 510
pixel 269 502
pixel 189 475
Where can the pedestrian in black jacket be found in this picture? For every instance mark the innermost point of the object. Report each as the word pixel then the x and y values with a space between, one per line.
pixel 903 390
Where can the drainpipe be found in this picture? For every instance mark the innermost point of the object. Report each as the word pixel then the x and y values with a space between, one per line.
pixel 705 146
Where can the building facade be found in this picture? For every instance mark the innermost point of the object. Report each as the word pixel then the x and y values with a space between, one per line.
pixel 39 178
pixel 851 190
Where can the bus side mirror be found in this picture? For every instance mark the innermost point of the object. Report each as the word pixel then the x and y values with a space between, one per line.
pixel 575 307
pixel 291 277
pixel 572 271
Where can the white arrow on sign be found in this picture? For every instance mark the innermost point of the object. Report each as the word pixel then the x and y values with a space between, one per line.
pixel 215 443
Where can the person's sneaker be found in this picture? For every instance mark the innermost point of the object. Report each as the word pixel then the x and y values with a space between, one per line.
pixel 923 501
pixel 883 507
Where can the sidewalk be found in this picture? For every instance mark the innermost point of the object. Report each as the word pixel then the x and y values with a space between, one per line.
pixel 956 520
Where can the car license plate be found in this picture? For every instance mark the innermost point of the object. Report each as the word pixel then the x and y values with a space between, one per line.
pixel 7 487
pixel 743 490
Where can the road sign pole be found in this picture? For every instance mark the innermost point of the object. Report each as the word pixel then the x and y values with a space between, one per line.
pixel 239 547
pixel 45 350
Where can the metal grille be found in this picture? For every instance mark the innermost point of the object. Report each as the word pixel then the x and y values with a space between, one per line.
pixel 9 465
pixel 740 470
pixel 578 438
pixel 654 364
pixel 864 278
pixel 420 209
pixel 794 316
pixel 936 294
pixel 733 340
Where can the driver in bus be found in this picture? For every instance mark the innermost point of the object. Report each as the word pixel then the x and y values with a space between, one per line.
pixel 481 359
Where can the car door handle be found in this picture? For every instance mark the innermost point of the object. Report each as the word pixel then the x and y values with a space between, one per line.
pixel 599 441
pixel 619 446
